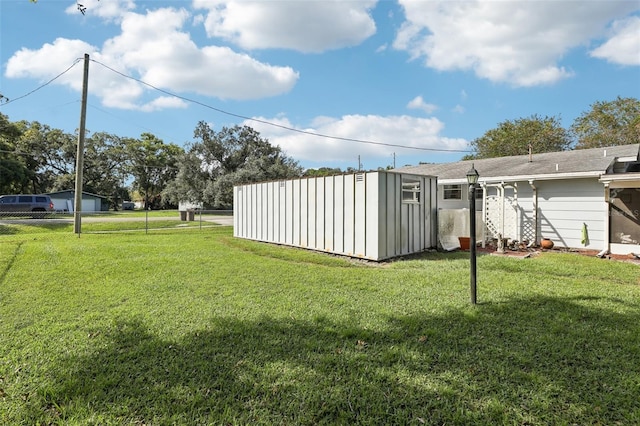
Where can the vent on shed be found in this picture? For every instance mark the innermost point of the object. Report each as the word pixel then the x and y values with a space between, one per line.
pixel 360 177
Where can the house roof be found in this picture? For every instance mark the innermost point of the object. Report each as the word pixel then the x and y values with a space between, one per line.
pixel 72 192
pixel 548 165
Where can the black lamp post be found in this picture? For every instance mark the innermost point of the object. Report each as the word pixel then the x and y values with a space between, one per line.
pixel 472 179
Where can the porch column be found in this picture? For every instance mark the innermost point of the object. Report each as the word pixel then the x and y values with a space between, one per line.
pixel 484 214
pixel 535 211
pixel 607 218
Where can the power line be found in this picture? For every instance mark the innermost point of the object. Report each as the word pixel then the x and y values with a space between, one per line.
pixel 129 122
pixel 8 101
pixel 232 114
pixel 269 123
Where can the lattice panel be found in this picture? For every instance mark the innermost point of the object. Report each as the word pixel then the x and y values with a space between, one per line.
pixel 494 216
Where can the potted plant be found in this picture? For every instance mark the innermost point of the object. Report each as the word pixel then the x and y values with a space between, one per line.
pixel 546 243
pixel 465 243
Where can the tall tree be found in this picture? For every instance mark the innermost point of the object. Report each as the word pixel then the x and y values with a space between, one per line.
pixel 153 164
pixel 14 174
pixel 513 137
pixel 190 181
pixel 610 123
pixel 49 154
pixel 105 166
pixel 232 156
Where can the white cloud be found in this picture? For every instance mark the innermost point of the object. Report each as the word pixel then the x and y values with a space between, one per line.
pixel 517 42
pixel 406 131
pixel 305 26
pixel 111 9
pixel 50 60
pixel 419 103
pixel 624 46
pixel 166 57
pixel 153 48
pixel 164 102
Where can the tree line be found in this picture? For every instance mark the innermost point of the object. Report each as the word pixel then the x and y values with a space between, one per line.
pixel 35 158
pixel 607 123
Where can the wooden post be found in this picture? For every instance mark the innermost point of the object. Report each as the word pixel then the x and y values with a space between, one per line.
pixel 77 205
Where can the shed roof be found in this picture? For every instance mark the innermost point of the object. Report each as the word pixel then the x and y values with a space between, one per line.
pixel 548 165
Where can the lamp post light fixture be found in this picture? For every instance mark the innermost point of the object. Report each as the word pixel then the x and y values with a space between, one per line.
pixel 472 179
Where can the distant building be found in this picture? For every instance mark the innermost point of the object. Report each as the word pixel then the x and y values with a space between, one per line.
pixel 64 201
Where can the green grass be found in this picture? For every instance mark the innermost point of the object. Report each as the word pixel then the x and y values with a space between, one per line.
pixel 196 327
pixel 110 222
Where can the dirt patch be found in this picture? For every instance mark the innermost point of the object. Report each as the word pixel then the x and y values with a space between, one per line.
pixel 524 253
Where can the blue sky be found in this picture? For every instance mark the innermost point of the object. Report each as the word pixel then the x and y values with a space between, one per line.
pixel 418 79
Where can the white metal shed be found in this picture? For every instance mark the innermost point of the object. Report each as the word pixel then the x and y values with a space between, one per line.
pixel 372 215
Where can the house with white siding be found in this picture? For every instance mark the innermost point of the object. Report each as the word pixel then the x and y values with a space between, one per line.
pixel 583 199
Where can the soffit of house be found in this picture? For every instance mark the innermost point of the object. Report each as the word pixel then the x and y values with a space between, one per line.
pixel 581 163
pixel 622 180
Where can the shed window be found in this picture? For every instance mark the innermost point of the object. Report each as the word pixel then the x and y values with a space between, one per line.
pixel 452 192
pixel 410 190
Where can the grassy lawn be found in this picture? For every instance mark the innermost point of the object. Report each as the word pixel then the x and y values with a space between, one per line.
pixel 196 327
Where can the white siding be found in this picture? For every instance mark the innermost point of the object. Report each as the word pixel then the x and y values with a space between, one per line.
pixel 565 205
pixel 525 217
pixel 329 215
pixel 88 204
pixel 359 211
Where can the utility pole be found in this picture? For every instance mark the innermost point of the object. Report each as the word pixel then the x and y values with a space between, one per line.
pixel 77 205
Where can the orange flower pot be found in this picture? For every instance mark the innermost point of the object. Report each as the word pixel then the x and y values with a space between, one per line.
pixel 546 243
pixel 465 243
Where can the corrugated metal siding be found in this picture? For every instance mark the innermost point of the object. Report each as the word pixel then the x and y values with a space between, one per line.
pixel 359 215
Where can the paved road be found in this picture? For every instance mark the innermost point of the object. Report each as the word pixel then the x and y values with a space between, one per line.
pixel 218 219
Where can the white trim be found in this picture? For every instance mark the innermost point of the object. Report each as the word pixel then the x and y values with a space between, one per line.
pixel 618 180
pixel 606 220
pixel 624 248
pixel 526 178
pixel 626 159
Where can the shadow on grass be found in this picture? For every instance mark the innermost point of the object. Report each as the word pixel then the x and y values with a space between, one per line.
pixel 437 255
pixel 10 262
pixel 535 361
pixel 27 226
pixel 7 230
